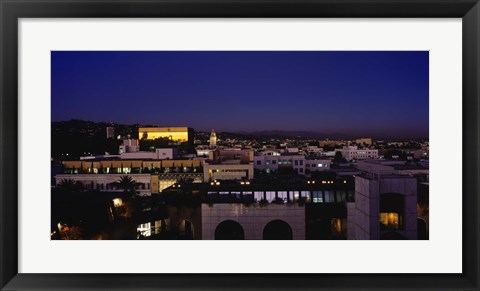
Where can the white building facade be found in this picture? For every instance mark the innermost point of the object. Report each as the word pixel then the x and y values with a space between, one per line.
pixel 271 163
pixel 301 165
pixel 354 153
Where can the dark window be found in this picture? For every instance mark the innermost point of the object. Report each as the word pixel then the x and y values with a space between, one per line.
pixel 277 230
pixel 229 230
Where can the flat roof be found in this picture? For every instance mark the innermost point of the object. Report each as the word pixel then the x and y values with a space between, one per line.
pixel 164 129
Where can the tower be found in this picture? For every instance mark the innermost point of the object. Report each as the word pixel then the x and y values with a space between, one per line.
pixel 213 139
pixel 110 132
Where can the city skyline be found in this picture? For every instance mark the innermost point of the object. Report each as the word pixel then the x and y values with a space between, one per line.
pixel 379 94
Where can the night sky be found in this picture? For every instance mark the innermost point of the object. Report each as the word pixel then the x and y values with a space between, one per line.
pixel 377 94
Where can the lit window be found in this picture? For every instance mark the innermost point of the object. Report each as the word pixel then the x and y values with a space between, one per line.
pixel 144 229
pixel 390 220
pixel 336 225
pixel 317 196
pixel 305 194
pixel 258 195
pixel 270 195
pixel 117 202
pixel 282 194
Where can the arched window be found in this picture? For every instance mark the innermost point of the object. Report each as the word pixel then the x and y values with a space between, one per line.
pixel 277 230
pixel 229 230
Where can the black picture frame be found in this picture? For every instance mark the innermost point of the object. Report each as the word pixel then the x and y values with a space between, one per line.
pixel 12 10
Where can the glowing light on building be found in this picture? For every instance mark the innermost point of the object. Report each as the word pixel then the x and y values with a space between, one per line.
pixel 117 202
pixel 179 134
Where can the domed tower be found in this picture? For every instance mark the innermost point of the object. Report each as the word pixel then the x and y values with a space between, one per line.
pixel 213 139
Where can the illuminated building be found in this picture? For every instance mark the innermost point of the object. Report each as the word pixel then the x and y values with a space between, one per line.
pixel 178 134
pixel 385 204
pixel 105 182
pixel 366 141
pixel 158 154
pixel 213 139
pixel 229 164
pixel 129 146
pixel 354 153
pixel 272 163
pixel 153 175
pixel 314 209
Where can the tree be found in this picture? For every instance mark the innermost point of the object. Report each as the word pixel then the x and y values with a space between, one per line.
pixel 339 158
pixel 70 185
pixel 127 184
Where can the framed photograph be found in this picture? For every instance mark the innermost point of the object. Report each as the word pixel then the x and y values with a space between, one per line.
pixel 239 145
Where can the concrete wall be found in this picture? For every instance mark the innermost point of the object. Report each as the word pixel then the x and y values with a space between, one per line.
pixel 364 216
pixel 366 209
pixel 252 218
pixel 169 153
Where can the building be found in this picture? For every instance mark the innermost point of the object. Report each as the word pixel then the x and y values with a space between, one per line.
pixel 229 171
pixel 317 165
pixel 231 156
pixel 354 153
pixel 158 154
pixel 229 164
pixel 314 209
pixel 395 166
pixel 271 163
pixel 313 150
pixel 110 132
pixel 235 221
pixel 106 182
pixel 385 207
pixel 203 152
pixel 364 141
pixel 164 180
pixel 129 146
pixel 213 139
pixel 157 175
pixel 299 164
pixel 385 204
pixel 177 134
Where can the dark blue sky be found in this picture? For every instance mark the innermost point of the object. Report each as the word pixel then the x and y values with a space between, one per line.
pixel 382 94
